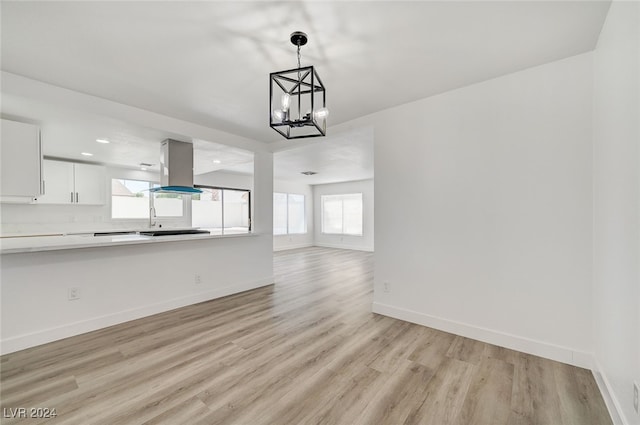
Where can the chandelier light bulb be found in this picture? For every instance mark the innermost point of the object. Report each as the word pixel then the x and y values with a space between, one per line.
pixel 321 113
pixel 286 101
pixel 278 114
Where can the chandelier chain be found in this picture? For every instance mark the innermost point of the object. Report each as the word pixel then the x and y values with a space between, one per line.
pixel 299 82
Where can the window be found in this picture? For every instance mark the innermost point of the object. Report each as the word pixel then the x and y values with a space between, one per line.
pixel 131 199
pixel 342 214
pixel 288 214
pixel 235 211
pixel 222 211
pixel 280 214
pixel 167 204
pixel 295 214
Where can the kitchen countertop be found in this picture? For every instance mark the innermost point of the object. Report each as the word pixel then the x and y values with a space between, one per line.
pixel 15 245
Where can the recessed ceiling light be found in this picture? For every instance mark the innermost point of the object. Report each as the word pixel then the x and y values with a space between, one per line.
pixel 217 161
pixel 104 141
pixel 308 173
pixel 86 154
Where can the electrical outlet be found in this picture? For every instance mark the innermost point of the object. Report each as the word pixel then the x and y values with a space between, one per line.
pixel 635 396
pixel 386 287
pixel 197 279
pixel 73 294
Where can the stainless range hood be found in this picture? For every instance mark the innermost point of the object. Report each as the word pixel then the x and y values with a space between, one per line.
pixel 176 168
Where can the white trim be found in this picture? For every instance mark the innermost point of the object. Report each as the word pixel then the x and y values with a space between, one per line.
pixel 293 246
pixel 610 400
pixel 21 342
pixel 344 246
pixel 526 345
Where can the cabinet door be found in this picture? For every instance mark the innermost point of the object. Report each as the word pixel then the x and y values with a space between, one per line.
pixel 20 167
pixel 58 183
pixel 90 182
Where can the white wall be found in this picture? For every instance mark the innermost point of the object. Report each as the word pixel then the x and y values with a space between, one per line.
pixel 225 179
pixel 495 240
pixel 282 242
pixel 616 227
pixel 126 282
pixel 121 283
pixel 362 243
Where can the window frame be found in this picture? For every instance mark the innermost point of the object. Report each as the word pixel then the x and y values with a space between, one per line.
pixel 222 189
pixel 322 214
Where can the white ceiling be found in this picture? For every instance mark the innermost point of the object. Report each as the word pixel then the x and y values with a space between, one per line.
pixel 340 157
pixel 208 62
pixel 67 133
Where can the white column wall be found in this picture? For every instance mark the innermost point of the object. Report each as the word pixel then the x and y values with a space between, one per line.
pixel 497 242
pixel 616 225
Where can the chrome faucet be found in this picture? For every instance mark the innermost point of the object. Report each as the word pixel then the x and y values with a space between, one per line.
pixel 152 215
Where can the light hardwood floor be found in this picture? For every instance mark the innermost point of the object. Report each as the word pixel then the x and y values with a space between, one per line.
pixel 306 350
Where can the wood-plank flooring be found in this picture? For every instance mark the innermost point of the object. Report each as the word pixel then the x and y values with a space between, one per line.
pixel 306 350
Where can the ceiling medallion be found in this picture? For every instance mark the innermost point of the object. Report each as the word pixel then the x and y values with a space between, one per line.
pixel 297 99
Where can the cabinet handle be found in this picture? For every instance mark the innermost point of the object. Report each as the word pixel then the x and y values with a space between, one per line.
pixel 44 187
pixel 40 158
pixel 72 197
pixel 76 197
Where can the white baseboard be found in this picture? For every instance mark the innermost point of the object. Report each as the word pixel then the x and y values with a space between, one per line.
pixel 343 246
pixel 526 345
pixel 613 405
pixel 21 342
pixel 538 348
pixel 292 246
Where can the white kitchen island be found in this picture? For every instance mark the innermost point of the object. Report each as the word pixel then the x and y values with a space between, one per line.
pixel 118 278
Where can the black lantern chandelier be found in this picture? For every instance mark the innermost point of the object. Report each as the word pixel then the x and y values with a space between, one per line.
pixel 297 99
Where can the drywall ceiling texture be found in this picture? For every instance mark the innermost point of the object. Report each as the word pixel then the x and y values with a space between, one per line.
pixel 340 157
pixel 208 62
pixel 616 184
pixel 486 231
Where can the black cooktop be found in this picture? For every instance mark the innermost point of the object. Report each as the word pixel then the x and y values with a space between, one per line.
pixel 168 232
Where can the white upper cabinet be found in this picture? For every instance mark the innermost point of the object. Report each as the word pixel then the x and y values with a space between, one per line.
pixel 58 183
pixel 90 184
pixel 71 183
pixel 21 162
